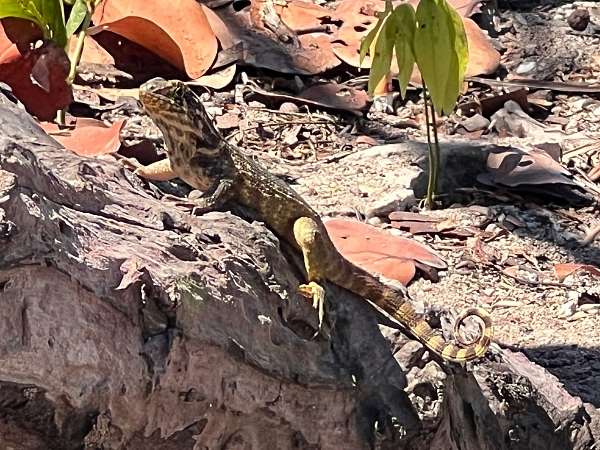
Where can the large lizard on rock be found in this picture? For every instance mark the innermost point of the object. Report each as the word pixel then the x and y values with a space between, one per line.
pixel 200 156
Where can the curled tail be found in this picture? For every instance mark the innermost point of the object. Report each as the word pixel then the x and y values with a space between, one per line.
pixel 395 303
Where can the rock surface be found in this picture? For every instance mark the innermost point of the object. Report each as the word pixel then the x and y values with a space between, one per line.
pixel 128 324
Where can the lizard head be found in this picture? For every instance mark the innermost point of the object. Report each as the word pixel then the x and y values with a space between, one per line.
pixel 179 113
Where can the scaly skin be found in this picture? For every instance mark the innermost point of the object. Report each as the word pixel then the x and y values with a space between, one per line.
pixel 200 156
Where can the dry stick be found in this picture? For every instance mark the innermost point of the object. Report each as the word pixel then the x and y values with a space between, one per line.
pixel 590 236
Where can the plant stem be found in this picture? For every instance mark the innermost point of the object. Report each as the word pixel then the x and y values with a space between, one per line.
pixel 436 146
pixel 76 56
pixel 431 154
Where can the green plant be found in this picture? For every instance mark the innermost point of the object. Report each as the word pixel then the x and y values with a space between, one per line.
pixel 434 38
pixel 49 16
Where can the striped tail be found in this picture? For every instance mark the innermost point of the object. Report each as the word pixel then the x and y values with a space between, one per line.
pixel 394 302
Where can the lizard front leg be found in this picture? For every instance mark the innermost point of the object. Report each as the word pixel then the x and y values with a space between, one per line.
pixel 157 171
pixel 215 197
pixel 162 170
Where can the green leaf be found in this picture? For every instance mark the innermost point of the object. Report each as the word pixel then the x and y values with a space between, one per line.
pixel 16 8
pixel 432 49
pixel 365 45
pixel 404 16
pixel 53 11
pixel 384 49
pixel 460 57
pixel 78 13
pixel 46 14
pixel 440 51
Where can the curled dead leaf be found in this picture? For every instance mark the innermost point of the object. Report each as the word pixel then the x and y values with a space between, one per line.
pixel 179 33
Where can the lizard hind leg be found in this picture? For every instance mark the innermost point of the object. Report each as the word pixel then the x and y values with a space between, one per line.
pixel 307 236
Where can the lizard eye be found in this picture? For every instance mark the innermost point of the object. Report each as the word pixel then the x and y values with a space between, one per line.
pixel 177 93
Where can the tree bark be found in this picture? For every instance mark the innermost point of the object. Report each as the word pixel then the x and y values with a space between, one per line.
pixel 126 323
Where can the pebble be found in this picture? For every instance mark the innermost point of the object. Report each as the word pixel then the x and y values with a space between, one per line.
pixel 288 107
pixel 579 19
pixel 526 67
pixel 475 123
pixel 375 221
pixel 568 308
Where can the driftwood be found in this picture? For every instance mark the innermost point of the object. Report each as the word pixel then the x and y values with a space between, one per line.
pixel 125 323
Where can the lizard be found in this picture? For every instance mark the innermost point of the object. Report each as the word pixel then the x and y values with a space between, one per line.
pixel 199 155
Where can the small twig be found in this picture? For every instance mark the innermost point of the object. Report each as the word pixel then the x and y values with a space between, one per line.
pixel 289 113
pixel 582 149
pixel 272 124
pixel 316 29
pixel 591 235
pixel 538 283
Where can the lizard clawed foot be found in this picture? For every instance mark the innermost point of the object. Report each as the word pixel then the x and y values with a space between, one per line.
pixel 315 292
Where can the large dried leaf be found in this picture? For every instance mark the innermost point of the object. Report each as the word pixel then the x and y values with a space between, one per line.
pixel 87 137
pixel 300 15
pixel 380 252
pixel 178 32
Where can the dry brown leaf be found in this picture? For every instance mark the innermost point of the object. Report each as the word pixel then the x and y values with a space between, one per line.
pixel 300 15
pixel 178 32
pixel 87 137
pixel 562 271
pixel 337 96
pixel 378 251
pixel 513 167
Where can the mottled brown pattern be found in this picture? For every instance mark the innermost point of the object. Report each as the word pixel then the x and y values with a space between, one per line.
pixel 201 157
